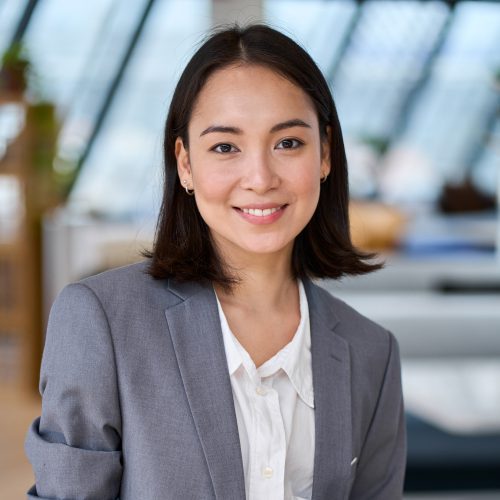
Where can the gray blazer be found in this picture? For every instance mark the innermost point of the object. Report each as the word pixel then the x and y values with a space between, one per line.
pixel 138 405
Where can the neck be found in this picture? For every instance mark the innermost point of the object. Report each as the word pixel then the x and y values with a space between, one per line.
pixel 266 284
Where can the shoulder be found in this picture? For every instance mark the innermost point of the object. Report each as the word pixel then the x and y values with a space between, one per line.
pixel 372 350
pixel 350 323
pixel 369 342
pixel 125 277
pixel 127 288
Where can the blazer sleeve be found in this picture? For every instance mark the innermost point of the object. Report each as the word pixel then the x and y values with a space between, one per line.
pixel 74 447
pixel 382 462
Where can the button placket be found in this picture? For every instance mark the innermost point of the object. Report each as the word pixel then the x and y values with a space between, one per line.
pixel 265 485
pixel 261 390
pixel 267 472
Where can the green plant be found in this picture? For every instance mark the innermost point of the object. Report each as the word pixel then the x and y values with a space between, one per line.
pixel 380 144
pixel 15 69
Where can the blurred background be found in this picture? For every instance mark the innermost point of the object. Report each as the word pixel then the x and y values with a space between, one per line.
pixel 84 90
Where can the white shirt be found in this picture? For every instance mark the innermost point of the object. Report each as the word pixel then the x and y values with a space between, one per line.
pixel 275 413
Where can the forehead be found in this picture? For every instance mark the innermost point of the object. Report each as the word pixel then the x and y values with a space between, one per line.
pixel 250 93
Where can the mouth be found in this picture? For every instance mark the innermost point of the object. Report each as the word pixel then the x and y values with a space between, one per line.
pixel 261 212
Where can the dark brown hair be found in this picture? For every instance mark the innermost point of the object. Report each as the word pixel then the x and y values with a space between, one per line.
pixel 183 248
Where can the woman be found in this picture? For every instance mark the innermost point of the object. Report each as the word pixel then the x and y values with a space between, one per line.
pixel 217 369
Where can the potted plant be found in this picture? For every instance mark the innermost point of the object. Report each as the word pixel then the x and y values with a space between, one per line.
pixel 15 68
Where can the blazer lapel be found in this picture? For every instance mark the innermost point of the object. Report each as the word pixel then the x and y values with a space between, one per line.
pixel 194 326
pixel 332 399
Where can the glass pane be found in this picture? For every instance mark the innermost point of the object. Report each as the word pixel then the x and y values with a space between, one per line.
pixel 387 53
pixel 11 123
pixel 122 173
pixel 76 48
pixel 11 12
pixel 486 172
pixel 60 38
pixel 99 69
pixel 454 110
pixel 310 23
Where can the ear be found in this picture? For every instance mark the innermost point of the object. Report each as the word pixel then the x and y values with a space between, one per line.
pixel 325 153
pixel 183 164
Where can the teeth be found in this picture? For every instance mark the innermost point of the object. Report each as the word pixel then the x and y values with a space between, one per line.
pixel 260 213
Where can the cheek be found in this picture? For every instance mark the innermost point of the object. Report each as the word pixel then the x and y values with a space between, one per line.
pixel 212 192
pixel 309 182
pixel 209 182
pixel 307 189
pixel 306 184
pixel 209 187
pixel 311 200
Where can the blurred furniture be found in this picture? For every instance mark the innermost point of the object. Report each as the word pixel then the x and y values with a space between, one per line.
pixel 25 193
pixel 439 460
pixel 375 226
pixel 19 272
pixel 17 411
pixel 79 245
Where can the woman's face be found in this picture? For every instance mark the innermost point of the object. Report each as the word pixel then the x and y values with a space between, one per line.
pixel 255 160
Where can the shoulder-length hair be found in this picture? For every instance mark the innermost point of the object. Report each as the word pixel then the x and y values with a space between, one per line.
pixel 183 248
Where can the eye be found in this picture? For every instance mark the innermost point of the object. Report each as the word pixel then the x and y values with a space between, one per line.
pixel 224 148
pixel 289 144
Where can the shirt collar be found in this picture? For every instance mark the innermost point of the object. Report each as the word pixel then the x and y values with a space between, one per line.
pixel 234 359
pixel 295 358
pixel 298 363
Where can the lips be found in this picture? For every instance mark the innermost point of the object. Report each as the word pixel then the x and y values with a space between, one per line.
pixel 260 206
pixel 260 212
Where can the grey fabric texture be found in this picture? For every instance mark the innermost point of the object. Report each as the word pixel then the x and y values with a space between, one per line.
pixel 137 400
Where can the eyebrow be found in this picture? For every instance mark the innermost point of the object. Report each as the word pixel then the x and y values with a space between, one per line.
pixel 289 124
pixel 237 131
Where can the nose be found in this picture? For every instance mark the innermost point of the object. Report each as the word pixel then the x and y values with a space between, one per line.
pixel 259 174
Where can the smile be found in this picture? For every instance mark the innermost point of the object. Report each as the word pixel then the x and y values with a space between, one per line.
pixel 263 215
pixel 260 213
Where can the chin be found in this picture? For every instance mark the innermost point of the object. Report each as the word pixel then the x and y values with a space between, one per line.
pixel 253 244
pixel 266 248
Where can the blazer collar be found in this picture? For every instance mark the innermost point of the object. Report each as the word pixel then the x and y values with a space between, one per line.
pixel 197 340
pixel 194 326
pixel 332 398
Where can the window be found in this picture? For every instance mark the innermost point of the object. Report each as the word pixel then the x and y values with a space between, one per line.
pixel 121 175
pixel 456 107
pixel 11 12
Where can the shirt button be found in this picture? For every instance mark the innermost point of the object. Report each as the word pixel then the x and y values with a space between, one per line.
pixel 267 472
pixel 261 390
